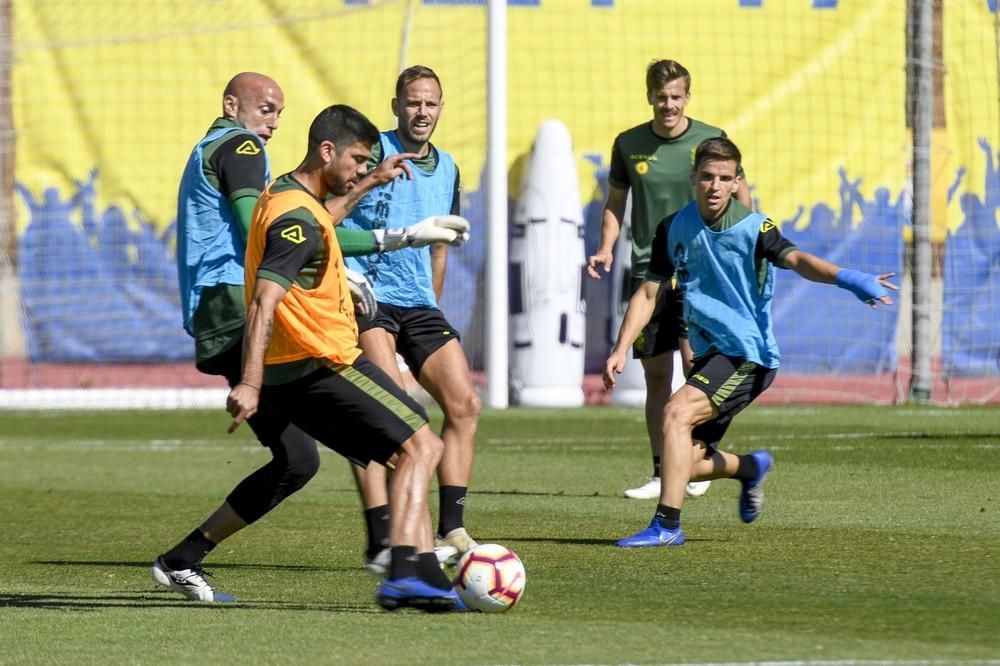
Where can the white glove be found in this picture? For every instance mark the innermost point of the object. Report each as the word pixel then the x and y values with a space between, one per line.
pixel 450 229
pixel 365 305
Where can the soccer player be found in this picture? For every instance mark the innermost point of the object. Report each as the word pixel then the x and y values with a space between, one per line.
pixel 301 353
pixel 723 256
pixel 225 174
pixel 408 285
pixel 653 161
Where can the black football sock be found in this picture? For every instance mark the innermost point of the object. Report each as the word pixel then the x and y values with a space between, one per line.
pixel 452 508
pixel 656 467
pixel 668 517
pixel 377 522
pixel 403 563
pixel 188 553
pixel 430 571
pixel 748 469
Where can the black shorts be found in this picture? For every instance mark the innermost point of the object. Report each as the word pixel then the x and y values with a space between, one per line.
pixel 419 332
pixel 356 410
pixel 666 327
pixel 731 383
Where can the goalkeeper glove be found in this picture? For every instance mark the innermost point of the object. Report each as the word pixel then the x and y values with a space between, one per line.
pixel 365 305
pixel 863 285
pixel 450 229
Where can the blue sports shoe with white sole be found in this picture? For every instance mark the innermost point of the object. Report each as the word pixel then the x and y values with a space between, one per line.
pixel 413 592
pixel 752 495
pixel 654 535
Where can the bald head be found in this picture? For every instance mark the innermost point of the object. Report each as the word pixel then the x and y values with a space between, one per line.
pixel 254 101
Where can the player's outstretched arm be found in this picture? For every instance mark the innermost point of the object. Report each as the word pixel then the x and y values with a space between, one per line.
pixel 869 288
pixel 639 312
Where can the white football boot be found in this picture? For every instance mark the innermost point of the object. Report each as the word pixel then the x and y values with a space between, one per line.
pixel 189 582
pixel 648 490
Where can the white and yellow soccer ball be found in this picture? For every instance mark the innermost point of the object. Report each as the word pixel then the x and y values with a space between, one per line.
pixel 490 578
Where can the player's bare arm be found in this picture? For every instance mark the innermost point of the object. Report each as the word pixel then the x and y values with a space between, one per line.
pixel 439 262
pixel 243 399
pixel 611 224
pixel 639 312
pixel 862 285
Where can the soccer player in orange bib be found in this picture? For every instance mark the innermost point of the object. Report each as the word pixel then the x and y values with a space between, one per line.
pixel 301 352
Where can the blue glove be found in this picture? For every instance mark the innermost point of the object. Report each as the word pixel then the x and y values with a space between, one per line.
pixel 863 285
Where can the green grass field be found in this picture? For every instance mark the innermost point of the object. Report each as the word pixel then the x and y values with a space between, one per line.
pixel 880 540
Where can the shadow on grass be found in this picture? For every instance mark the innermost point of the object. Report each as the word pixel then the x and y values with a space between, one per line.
pixel 220 565
pixel 535 493
pixel 156 600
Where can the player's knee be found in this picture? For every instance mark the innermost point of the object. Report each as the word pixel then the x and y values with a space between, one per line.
pixel 425 446
pixel 466 408
pixel 301 469
pixel 679 412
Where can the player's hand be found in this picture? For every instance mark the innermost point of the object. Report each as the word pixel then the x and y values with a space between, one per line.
pixel 242 404
pixel 363 295
pixel 449 229
pixel 613 366
pixel 884 281
pixel 871 289
pixel 602 258
pixel 393 167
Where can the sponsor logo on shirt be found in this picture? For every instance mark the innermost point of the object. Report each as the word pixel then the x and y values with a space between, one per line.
pixel 248 147
pixel 294 234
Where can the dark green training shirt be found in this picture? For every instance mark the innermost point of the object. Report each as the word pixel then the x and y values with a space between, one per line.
pixel 236 172
pixel 657 171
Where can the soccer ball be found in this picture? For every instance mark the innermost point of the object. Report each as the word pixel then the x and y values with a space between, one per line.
pixel 490 578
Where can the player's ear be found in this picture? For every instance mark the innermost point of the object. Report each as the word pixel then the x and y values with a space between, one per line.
pixel 327 151
pixel 395 107
pixel 230 106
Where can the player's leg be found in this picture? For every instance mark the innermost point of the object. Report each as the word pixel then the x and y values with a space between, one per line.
pixel 294 462
pixel 696 487
pixel 379 346
pixel 655 350
pixel 686 408
pixel 434 353
pixel 447 378
pixel 731 385
pixel 360 412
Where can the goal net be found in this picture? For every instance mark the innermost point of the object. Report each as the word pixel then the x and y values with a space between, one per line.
pixel 101 103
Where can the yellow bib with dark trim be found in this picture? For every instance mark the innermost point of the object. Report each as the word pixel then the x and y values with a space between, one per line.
pixel 308 323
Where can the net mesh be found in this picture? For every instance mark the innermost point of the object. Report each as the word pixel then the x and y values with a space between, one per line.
pixel 101 104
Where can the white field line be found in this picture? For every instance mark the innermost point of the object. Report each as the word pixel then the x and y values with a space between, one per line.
pixel 597 443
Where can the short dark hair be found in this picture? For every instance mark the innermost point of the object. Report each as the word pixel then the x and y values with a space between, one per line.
pixel 661 72
pixel 343 126
pixel 411 74
pixel 719 149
